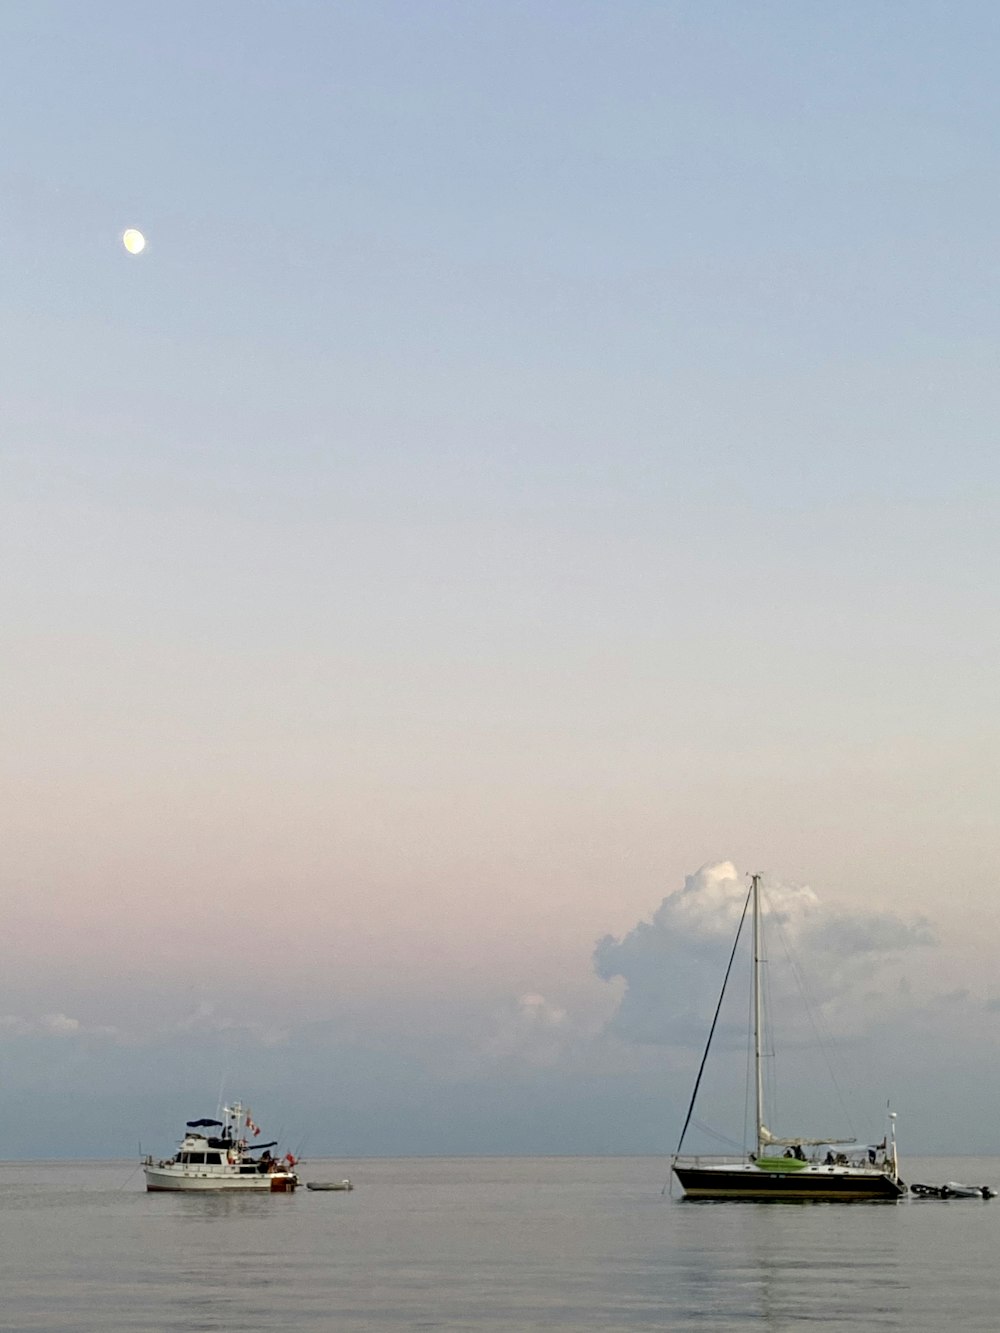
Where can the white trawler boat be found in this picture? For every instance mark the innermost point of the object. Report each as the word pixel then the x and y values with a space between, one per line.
pixel 221 1155
pixel 793 1167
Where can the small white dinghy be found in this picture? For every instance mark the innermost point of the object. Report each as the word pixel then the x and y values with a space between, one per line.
pixel 329 1185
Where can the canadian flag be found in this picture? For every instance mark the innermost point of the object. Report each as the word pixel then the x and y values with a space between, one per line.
pixel 254 1129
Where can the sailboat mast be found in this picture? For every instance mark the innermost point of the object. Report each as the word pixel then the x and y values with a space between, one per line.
pixel 757 1032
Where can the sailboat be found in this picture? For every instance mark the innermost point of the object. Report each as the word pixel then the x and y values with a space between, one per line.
pixel 785 1168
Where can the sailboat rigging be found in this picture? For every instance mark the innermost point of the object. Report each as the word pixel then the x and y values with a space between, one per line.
pixel 845 1171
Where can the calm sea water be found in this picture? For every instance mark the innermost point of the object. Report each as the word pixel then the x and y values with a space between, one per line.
pixel 554 1244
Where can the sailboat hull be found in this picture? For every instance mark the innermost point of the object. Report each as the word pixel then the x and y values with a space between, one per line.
pixel 749 1182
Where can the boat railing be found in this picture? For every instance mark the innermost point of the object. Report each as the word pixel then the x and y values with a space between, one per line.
pixel 855 1163
pixel 708 1159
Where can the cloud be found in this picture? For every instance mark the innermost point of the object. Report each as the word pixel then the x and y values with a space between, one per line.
pixel 529 1030
pixel 873 933
pixel 205 1018
pixel 52 1025
pixel 673 965
pixel 60 1024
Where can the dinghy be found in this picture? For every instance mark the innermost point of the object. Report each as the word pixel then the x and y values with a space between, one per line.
pixel 953 1190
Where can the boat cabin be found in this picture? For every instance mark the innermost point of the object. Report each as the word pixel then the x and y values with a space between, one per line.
pixel 199 1155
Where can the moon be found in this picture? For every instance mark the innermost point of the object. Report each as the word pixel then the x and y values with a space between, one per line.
pixel 133 241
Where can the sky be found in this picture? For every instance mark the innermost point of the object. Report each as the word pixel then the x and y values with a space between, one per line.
pixel 541 468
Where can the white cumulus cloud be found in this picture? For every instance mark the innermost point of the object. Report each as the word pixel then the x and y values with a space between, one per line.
pixel 673 964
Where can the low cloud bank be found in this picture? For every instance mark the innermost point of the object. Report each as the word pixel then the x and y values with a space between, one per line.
pixel 547 1068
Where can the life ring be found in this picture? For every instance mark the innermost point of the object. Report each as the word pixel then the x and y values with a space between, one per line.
pixel 231 1158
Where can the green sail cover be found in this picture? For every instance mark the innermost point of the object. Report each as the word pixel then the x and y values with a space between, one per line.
pixel 781 1163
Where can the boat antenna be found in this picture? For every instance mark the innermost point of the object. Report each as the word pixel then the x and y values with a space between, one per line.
pixel 711 1031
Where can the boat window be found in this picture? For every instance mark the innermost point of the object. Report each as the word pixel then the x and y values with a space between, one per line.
pixel 196 1158
pixel 213 1159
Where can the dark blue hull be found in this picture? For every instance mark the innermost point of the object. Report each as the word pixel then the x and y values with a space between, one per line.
pixel 740 1183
